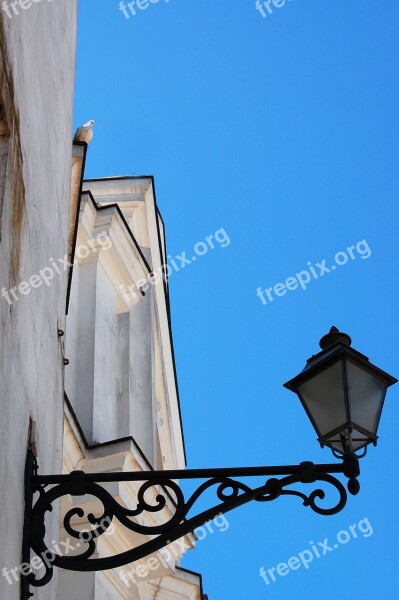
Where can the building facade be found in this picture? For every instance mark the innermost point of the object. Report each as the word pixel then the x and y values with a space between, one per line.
pixel 87 367
pixel 122 408
pixel 37 53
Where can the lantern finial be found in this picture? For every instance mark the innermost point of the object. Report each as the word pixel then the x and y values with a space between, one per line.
pixel 335 336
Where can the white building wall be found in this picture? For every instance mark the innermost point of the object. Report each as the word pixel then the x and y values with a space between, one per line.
pixel 37 54
pixel 120 385
pixel 83 362
pixel 153 395
pixel 115 380
pixel 105 361
pixel 123 375
pixel 141 414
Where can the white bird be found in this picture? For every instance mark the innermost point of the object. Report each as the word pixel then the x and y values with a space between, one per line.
pixel 84 133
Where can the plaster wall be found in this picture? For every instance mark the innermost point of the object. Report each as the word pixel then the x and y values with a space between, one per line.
pixel 110 378
pixel 105 361
pixel 37 54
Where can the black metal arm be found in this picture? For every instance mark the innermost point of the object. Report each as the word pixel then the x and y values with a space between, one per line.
pixel 230 492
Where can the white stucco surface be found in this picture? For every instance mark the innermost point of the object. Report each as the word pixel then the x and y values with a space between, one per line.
pixel 121 383
pixel 38 55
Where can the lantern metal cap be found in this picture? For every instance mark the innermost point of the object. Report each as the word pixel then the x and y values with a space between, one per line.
pixel 336 344
pixel 335 336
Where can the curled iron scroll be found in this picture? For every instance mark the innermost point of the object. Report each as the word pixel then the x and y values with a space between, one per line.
pixel 230 493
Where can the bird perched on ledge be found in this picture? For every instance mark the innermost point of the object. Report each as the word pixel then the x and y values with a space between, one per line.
pixel 84 133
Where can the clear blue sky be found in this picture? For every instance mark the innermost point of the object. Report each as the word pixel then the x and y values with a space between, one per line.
pixel 283 131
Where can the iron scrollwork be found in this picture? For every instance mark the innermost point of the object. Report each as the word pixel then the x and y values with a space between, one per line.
pixel 230 492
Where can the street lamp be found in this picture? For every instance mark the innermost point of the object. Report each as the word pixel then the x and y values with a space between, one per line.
pixel 343 395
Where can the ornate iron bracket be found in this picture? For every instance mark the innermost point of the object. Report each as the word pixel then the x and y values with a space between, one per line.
pixel 230 492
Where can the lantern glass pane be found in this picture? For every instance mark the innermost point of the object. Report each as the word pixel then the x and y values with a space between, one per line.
pixel 324 396
pixel 358 441
pixel 366 393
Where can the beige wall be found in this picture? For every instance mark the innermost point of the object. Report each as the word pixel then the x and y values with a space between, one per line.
pixel 36 83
